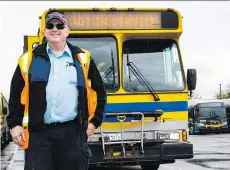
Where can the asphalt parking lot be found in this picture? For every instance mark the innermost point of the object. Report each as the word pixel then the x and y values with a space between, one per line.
pixel 211 152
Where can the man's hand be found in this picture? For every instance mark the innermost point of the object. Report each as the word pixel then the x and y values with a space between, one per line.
pixel 91 129
pixel 18 135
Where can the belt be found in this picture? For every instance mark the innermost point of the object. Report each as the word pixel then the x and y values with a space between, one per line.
pixel 55 124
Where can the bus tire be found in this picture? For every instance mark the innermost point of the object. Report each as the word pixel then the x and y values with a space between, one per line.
pixel 150 167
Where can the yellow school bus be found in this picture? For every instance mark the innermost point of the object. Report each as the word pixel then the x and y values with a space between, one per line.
pixel 138 55
pixel 5 130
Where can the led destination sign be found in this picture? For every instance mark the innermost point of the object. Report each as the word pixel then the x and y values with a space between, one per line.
pixel 117 20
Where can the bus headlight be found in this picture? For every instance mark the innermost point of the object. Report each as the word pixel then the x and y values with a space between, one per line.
pixel 34 45
pixel 174 136
pixel 201 125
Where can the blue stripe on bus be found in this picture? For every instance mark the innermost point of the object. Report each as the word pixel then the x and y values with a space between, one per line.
pixel 114 119
pixel 144 107
pixel 147 107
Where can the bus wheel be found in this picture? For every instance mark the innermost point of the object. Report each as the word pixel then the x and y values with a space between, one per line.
pixel 150 167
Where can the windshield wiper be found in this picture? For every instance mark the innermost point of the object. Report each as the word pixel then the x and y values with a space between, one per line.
pixel 111 68
pixel 214 115
pixel 142 80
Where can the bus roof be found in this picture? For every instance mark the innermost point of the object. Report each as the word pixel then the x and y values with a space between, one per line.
pixel 226 102
pixel 194 102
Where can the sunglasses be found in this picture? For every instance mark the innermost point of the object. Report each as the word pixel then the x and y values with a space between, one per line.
pixel 58 26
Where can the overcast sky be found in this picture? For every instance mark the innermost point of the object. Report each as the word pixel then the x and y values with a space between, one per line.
pixel 205 42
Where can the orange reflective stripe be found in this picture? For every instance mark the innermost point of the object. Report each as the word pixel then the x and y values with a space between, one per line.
pixel 24 64
pixel 25 144
pixel 92 102
pixel 84 60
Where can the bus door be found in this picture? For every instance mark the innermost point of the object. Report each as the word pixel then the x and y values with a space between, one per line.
pixel 228 117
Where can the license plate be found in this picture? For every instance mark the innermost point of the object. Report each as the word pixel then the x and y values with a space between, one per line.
pixel 112 137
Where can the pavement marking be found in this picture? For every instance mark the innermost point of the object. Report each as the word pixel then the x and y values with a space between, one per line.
pixel 12 158
pixel 169 167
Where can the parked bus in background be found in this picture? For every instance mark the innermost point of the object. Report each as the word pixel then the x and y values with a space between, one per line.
pixel 138 54
pixel 227 107
pixel 5 130
pixel 207 116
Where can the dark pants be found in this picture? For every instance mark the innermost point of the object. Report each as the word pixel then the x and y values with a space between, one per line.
pixel 57 148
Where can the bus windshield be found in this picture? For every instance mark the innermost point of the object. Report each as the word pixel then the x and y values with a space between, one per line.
pixel 211 110
pixel 157 60
pixel 104 52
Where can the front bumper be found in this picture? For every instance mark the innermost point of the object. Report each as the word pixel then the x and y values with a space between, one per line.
pixel 154 151
pixel 212 130
pixel 209 130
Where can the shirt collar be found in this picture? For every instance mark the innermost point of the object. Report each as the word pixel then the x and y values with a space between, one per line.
pixel 66 49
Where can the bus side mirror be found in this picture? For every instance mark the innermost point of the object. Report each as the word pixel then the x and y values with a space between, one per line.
pixel 191 80
pixel 5 110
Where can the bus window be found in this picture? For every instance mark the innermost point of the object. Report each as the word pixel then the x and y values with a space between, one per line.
pixel 157 60
pixel 101 49
pixel 196 113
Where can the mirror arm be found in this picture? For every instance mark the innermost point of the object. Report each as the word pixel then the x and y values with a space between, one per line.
pixel 190 93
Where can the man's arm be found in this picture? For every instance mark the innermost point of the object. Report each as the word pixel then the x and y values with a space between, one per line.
pixel 16 109
pixel 98 86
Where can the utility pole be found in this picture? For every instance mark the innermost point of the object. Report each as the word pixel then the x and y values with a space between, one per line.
pixel 220 91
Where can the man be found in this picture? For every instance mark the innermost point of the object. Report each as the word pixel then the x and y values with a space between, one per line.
pixel 57 103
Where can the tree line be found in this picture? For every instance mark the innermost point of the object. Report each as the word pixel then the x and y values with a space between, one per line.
pixel 220 94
